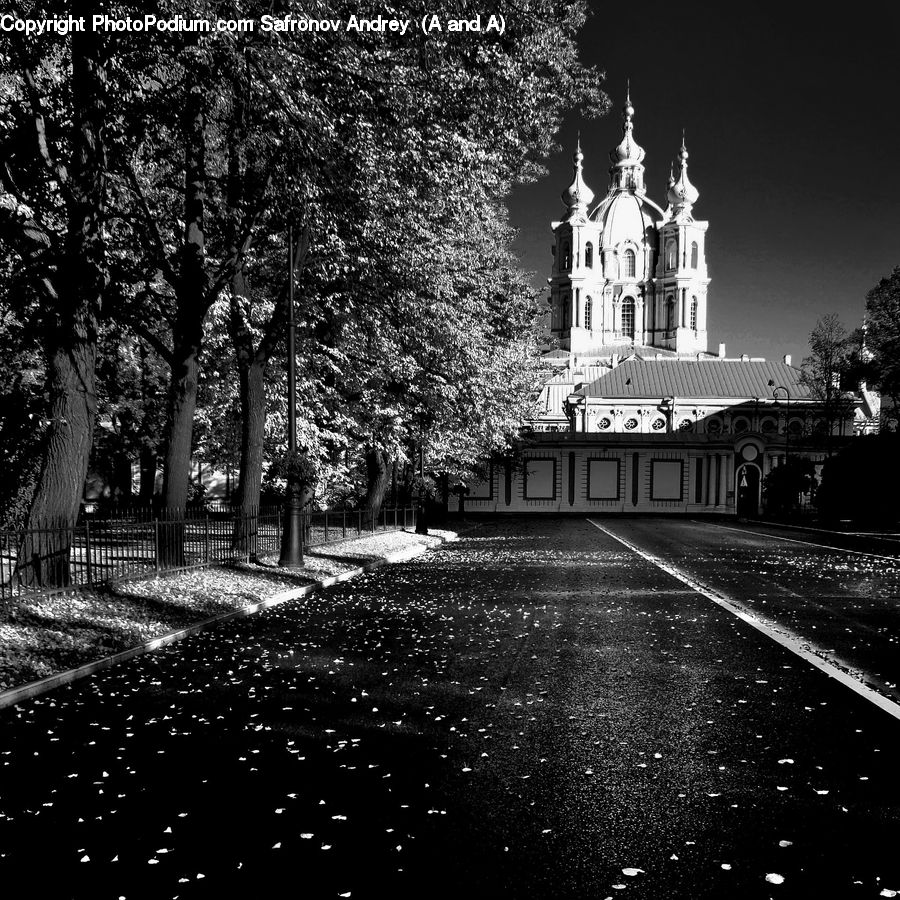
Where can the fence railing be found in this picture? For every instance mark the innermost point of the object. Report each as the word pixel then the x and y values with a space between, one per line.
pixel 102 548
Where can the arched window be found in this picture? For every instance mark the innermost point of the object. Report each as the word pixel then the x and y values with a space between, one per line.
pixel 588 312
pixel 628 264
pixel 670 255
pixel 694 311
pixel 670 313
pixel 566 257
pixel 589 255
pixel 628 317
pixel 695 255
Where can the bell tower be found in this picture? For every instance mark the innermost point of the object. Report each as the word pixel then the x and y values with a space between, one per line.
pixel 681 275
pixel 576 261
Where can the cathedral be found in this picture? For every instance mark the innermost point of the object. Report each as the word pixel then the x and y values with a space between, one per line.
pixel 626 271
pixel 637 416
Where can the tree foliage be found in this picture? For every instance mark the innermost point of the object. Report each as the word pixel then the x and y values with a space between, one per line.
pixel 882 336
pixel 833 369
pixel 148 184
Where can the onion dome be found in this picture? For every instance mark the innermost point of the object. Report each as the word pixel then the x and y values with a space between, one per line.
pixel 577 196
pixel 627 172
pixel 682 195
pixel 629 152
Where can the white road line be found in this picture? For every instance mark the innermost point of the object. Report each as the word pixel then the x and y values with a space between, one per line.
pixel 778 537
pixel 878 535
pixel 786 638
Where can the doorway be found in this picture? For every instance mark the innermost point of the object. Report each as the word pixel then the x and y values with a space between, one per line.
pixel 748 497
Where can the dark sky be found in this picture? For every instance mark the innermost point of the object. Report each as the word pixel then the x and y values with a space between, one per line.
pixel 792 116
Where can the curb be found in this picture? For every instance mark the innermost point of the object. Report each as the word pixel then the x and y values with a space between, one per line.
pixel 15 695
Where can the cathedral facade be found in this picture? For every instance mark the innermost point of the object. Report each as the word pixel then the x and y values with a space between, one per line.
pixel 637 416
pixel 626 271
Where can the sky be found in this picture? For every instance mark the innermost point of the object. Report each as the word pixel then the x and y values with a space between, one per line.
pixel 792 119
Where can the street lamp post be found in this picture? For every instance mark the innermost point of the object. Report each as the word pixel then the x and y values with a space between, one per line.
pixel 292 539
pixel 787 425
pixel 421 521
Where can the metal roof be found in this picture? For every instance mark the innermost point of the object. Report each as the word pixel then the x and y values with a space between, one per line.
pixel 699 378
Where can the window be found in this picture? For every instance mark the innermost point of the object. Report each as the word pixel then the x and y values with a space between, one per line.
pixel 603 479
pixel 658 424
pixel 482 488
pixel 628 317
pixel 566 257
pixel 588 313
pixel 695 255
pixel 694 311
pixel 566 303
pixel 670 255
pixel 628 265
pixel 631 424
pixel 666 480
pixel 589 255
pixel 540 479
pixel 604 424
pixel 670 313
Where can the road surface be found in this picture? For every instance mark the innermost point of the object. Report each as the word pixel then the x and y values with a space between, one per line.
pixel 537 711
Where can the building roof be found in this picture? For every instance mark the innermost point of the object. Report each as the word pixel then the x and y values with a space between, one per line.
pixel 700 378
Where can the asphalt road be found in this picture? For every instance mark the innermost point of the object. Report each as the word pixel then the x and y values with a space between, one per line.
pixel 533 712
pixel 837 592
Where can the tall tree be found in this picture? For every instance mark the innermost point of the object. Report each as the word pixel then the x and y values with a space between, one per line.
pixel 52 211
pixel 882 337
pixel 830 368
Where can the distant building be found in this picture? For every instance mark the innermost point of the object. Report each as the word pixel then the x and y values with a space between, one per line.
pixel 638 415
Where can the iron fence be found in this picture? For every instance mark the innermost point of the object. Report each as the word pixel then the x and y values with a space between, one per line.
pixel 108 545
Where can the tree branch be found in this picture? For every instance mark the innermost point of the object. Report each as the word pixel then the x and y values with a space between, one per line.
pixel 56 169
pixel 232 262
pixel 161 256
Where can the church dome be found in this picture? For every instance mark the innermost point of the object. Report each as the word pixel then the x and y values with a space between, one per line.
pixel 629 151
pixel 626 217
pixel 682 195
pixel 578 196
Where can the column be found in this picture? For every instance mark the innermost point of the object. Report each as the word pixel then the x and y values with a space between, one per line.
pixel 721 469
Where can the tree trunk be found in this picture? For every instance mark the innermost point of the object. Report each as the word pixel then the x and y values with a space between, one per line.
pixel 177 465
pixel 252 375
pixel 378 472
pixel 187 329
pixel 253 429
pixel 71 342
pixel 148 475
pixel 180 431
pixel 44 556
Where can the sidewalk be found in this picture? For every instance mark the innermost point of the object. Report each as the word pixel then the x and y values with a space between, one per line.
pixel 47 636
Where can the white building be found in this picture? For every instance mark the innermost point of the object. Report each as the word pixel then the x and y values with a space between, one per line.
pixel 638 415
pixel 625 271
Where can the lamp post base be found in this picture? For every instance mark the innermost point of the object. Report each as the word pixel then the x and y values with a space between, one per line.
pixel 421 521
pixel 292 537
